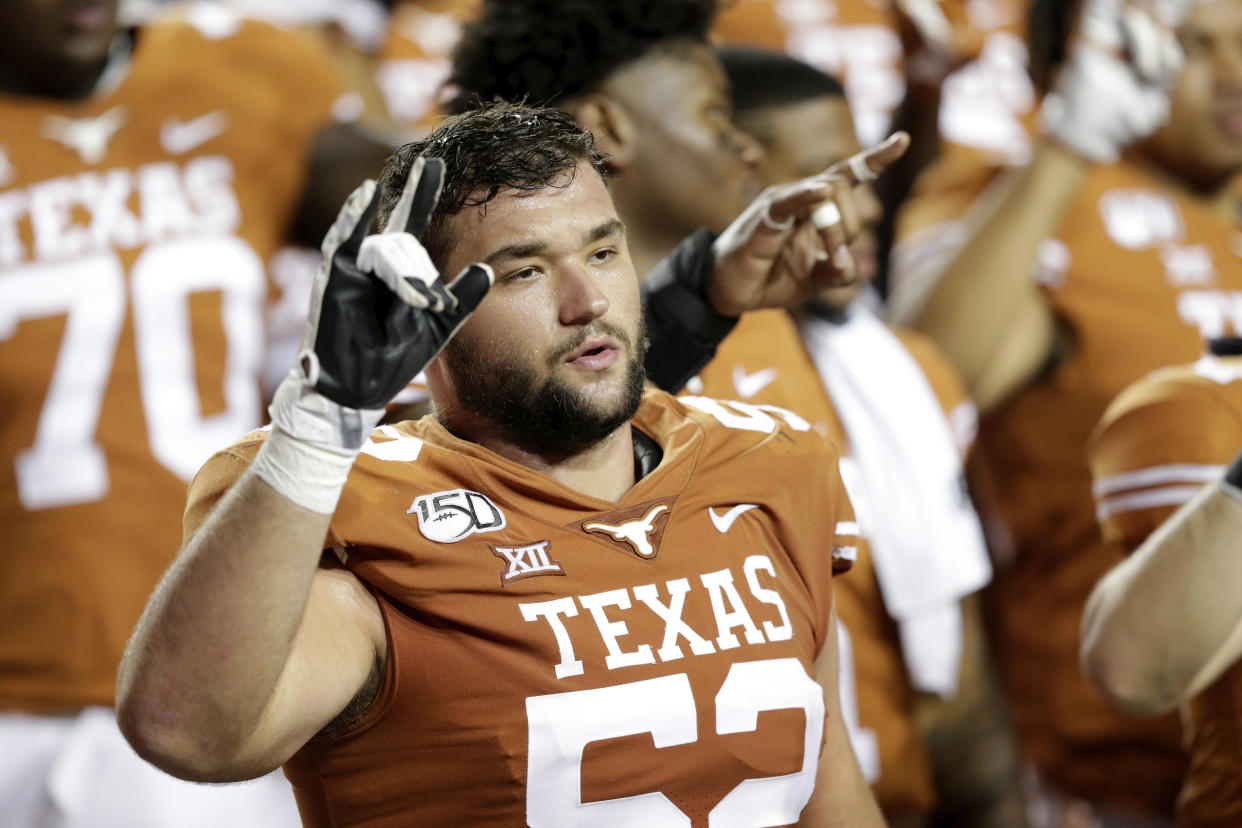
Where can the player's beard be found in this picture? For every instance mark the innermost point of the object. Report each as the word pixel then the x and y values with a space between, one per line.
pixel 545 416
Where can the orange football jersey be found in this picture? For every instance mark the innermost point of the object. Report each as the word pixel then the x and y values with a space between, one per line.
pixel 1141 276
pixel 859 42
pixel 559 659
pixel 986 122
pixel 763 361
pixel 133 230
pixel 852 40
pixel 1159 442
pixel 414 60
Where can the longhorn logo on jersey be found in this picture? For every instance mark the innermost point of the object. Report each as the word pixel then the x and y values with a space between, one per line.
pixel 637 529
pixel 447 517
pixel 88 137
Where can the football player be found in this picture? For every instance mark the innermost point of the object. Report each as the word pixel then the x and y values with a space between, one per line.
pixel 561 600
pixel 950 73
pixel 1160 629
pixel 640 75
pixel 146 174
pixel 1110 255
pixel 802 119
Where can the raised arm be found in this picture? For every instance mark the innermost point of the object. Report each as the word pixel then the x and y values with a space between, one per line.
pixel 985 310
pixel 249 647
pixel 1167 621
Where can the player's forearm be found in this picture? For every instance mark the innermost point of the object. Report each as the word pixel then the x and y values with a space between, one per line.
pixel 986 300
pixel 1166 622
pixel 216 634
pixel 842 798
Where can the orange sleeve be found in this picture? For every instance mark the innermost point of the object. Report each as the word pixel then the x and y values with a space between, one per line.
pixel 1153 450
pixel 845 526
pixel 752 22
pixel 213 482
pixel 298 67
pixel 217 476
pixel 815 517
pixel 930 226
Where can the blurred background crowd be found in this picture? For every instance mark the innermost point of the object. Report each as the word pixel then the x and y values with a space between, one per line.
pixel 1036 367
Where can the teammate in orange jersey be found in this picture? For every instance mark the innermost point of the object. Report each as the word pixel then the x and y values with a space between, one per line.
pixel 876 48
pixel 392 55
pixel 145 175
pixel 559 601
pixel 803 121
pixel 858 42
pixel 951 73
pixel 1128 228
pixel 1160 628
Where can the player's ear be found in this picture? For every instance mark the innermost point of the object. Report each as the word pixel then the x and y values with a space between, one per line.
pixel 611 126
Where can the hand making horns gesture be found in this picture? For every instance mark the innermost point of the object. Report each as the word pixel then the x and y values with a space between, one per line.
pixel 794 238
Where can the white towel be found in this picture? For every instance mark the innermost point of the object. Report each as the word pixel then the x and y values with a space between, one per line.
pixel 910 496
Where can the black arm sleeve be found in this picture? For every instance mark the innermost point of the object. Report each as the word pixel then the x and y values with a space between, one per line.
pixel 682 327
pixel 1233 474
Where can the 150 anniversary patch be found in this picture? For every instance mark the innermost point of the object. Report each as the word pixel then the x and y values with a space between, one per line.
pixel 447 517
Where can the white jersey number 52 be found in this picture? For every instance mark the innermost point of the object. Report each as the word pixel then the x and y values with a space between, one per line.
pixel 562 724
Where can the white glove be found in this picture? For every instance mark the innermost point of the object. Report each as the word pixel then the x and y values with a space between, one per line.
pixel 1114 87
pixel 379 314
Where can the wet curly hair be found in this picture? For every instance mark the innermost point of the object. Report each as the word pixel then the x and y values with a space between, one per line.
pixel 543 51
pixel 496 147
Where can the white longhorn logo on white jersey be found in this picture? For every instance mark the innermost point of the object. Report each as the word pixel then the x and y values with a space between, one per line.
pixel 633 532
pixel 88 137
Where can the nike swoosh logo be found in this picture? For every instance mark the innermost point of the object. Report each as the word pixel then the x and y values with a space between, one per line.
pixel 748 385
pixel 179 137
pixel 723 522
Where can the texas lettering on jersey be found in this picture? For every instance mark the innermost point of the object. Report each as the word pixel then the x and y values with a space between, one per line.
pixel 729 611
pixel 599 672
pixel 171 200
